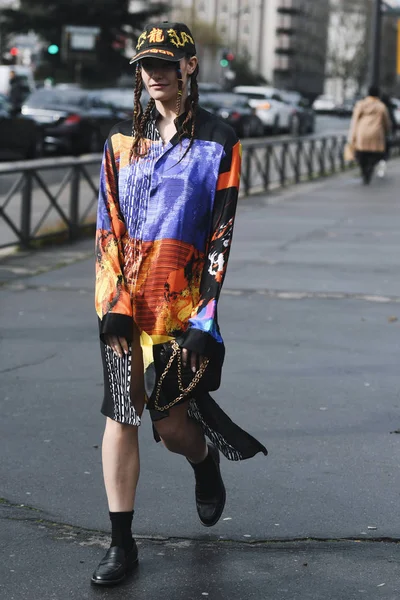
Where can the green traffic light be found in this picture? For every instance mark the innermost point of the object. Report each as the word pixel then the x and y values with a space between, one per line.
pixel 224 62
pixel 53 49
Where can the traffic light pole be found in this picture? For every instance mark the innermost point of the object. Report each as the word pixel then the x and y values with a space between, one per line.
pixel 376 43
pixel 381 9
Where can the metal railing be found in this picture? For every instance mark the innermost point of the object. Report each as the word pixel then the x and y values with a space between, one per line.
pixel 47 199
pixel 290 160
pixel 56 198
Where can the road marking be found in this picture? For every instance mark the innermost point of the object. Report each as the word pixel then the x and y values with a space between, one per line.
pixel 291 295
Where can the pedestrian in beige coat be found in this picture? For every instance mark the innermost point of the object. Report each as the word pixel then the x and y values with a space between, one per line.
pixel 369 127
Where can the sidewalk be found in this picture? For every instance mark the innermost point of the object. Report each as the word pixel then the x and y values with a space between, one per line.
pixel 311 317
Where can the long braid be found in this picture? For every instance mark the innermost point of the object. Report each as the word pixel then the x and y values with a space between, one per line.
pixel 140 118
pixel 180 92
pixel 191 107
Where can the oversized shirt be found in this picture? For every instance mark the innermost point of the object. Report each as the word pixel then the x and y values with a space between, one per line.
pixel 164 230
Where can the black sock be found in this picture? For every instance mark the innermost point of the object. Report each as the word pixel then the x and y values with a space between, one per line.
pixel 121 529
pixel 206 473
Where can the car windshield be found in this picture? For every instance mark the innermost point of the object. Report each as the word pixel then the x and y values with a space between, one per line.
pixel 118 98
pixel 256 95
pixel 51 97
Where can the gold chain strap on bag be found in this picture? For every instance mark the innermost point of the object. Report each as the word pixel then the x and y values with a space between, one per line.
pixel 184 391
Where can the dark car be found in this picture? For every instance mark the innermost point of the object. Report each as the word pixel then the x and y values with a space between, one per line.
pixel 209 88
pixel 345 109
pixel 74 121
pixel 303 121
pixel 234 110
pixel 20 137
pixel 122 99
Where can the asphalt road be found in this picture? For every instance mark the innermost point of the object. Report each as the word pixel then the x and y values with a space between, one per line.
pixel 310 314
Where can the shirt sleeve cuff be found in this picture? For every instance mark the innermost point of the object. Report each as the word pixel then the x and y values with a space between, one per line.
pixel 203 343
pixel 116 324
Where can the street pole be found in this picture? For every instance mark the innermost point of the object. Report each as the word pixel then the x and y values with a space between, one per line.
pixel 376 43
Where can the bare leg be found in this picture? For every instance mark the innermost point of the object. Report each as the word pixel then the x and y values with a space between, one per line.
pixel 182 435
pixel 120 450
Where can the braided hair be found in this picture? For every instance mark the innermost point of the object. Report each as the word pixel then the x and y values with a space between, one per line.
pixel 191 107
pixel 138 148
pixel 140 117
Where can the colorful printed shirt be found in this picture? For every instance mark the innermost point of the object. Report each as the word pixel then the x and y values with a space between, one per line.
pixel 164 231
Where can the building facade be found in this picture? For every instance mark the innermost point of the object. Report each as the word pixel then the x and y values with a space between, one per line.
pixel 285 41
pixel 301 45
pixel 348 69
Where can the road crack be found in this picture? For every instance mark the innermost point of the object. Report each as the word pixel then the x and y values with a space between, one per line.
pixel 92 537
pixel 29 364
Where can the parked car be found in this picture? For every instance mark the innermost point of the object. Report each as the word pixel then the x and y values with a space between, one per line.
pixel 74 121
pixel 303 121
pixel 234 110
pixel 122 99
pixel 20 137
pixel 206 87
pixel 276 114
pixel 325 105
pixel 345 109
pixel 396 111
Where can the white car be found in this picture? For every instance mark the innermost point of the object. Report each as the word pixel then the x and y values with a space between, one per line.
pixel 276 114
pixel 324 105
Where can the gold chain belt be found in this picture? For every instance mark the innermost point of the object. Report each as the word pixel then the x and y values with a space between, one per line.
pixel 184 391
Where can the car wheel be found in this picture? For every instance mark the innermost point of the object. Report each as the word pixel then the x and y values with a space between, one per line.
pixel 295 126
pixel 276 127
pixel 36 149
pixel 247 129
pixel 94 144
pixel 258 128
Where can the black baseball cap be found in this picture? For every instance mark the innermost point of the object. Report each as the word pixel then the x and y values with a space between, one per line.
pixel 169 41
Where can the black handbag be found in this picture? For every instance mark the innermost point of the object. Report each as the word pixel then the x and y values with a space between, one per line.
pixel 176 382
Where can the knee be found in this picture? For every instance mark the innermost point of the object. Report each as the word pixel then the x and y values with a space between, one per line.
pixel 120 431
pixel 169 430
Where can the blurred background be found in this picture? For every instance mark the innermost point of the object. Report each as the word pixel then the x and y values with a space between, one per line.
pixel 268 67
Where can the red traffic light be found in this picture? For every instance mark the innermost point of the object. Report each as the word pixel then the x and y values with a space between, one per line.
pixel 230 56
pixel 14 51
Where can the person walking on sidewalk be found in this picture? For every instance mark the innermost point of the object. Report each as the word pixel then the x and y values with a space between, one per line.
pixel 167 201
pixel 370 125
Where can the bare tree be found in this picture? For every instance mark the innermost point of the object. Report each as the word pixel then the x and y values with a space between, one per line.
pixel 348 44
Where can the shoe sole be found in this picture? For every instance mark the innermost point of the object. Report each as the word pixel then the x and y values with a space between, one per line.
pixel 219 514
pixel 116 581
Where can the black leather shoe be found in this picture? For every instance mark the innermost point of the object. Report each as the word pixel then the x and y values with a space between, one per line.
pixel 115 566
pixel 210 490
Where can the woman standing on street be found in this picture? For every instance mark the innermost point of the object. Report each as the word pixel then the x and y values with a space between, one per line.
pixel 167 202
pixel 369 128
